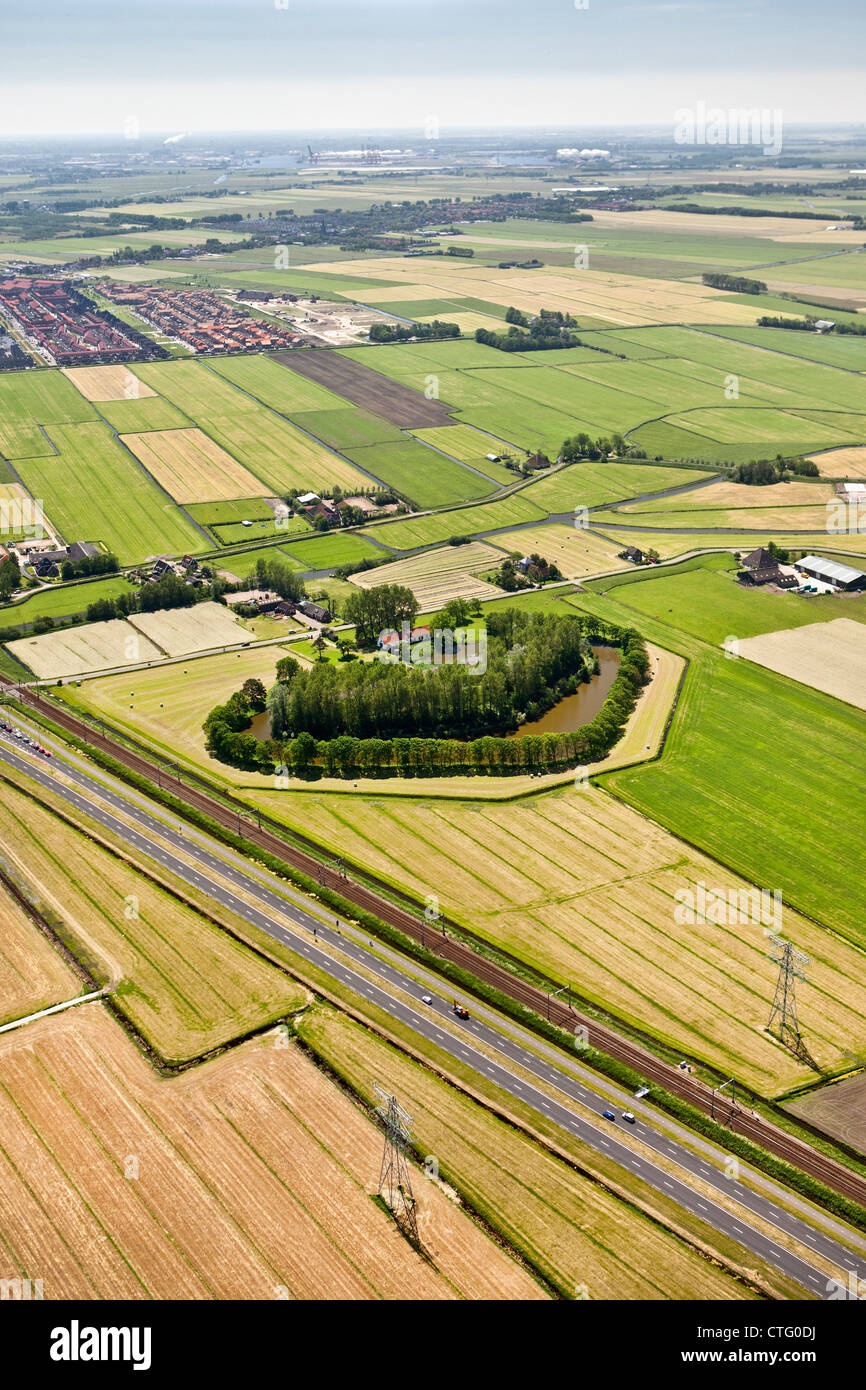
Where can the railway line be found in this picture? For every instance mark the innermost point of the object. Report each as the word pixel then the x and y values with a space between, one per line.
pixel 436 938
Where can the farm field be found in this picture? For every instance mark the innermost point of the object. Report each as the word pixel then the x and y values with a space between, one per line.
pixel 139 417
pixel 349 427
pixel 575 552
pixel 745 738
pixel 33 974
pixel 735 496
pixel 110 383
pixel 176 631
pixel 94 491
pixel 573 1231
pixel 275 384
pixel 347 377
pixel 77 651
pixel 463 521
pixel 469 446
pixel 617 299
pixel 185 984
pixel 753 518
pixel 842 463
pixel 254 1181
pixel 62 602
pixel 594 484
pixel 671 543
pixel 281 455
pixel 191 467
pixel 584 888
pixel 437 576
pixel 329 550
pixel 701 597
pixel 829 656
pixel 169 703
pixel 421 474
pixel 29 400
pixel 838 1110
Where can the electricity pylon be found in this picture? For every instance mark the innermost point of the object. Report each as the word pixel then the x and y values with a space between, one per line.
pixel 792 966
pixel 395 1182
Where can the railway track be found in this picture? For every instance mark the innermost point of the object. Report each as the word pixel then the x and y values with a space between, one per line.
pixel 680 1083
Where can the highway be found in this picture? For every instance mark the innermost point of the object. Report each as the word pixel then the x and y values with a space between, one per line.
pixel 204 865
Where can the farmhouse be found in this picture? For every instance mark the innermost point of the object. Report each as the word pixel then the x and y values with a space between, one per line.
pixel 632 553
pixel 759 559
pixel 840 576
pixel 314 611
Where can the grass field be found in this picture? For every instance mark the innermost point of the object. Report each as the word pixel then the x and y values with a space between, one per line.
pixel 138 417
pixel 329 551
pixel 33 974
pixel 701 597
pixel 276 385
pixel 185 984
pixel 252 1178
pixel 191 467
pixel 31 399
pixel 94 491
pixel 349 427
pixel 572 1230
pixel 437 576
pixel 842 463
pixel 62 602
pixel 735 496
pixel 424 476
pixel 463 521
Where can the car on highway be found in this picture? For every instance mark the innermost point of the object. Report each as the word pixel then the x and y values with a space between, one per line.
pixel 608 1115
pixel 627 1115
pixel 426 999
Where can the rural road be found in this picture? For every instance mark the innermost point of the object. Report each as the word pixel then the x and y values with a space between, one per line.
pixel 216 874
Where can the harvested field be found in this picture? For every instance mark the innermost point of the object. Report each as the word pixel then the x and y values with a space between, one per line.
pixel 170 701
pixel 575 552
pixel 583 888
pixel 251 1178
pixel 571 1229
pixel 177 631
pixel 77 651
pixel 462 521
pixel 191 467
pixel 362 386
pixel 437 576
pixel 33 975
pixel 826 656
pixel 838 1110
pixel 183 983
pixel 111 383
pixel 841 463
pixel 737 497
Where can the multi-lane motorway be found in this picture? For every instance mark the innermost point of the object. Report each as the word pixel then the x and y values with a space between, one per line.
pixel 689 1176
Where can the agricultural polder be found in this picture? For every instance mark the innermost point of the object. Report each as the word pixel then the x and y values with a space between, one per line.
pixel 253 1180
pixel 575 1232
pixel 584 889
pixel 191 467
pixel 93 490
pixel 437 576
pixel 186 985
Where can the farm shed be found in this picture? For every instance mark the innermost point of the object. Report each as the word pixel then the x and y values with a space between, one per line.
pixel 831 572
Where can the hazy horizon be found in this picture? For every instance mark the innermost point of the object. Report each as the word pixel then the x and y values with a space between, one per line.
pixel 255 66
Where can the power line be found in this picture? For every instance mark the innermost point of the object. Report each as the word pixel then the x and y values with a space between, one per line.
pixel 792 967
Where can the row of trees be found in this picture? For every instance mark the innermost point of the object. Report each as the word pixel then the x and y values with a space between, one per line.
pixel 736 283
pixel 400 333
pixel 169 592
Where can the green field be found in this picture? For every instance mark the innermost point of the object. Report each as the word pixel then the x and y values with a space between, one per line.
pixel 348 428
pixel 139 416
pixel 420 474
pixel 331 550
pixel 94 491
pixel 31 399
pixel 62 602
pixel 701 597
pixel 276 385
pixel 463 521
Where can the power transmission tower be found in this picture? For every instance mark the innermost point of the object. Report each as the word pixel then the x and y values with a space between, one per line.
pixel 792 966
pixel 395 1182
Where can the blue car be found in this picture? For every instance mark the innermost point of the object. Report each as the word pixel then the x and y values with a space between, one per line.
pixel 608 1115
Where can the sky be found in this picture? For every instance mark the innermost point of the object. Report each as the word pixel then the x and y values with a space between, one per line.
pixel 95 66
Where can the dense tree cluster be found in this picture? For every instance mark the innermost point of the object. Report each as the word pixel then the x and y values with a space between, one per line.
pixel 738 284
pixel 89 565
pixel 380 609
pixel 299 691
pixel 763 472
pixel 401 333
